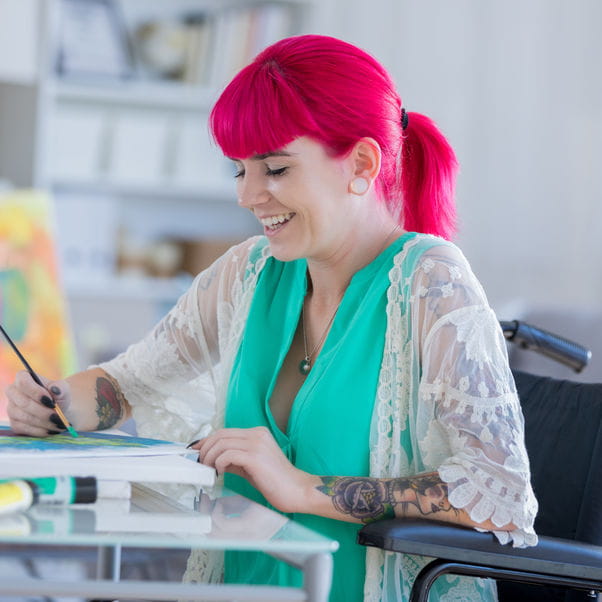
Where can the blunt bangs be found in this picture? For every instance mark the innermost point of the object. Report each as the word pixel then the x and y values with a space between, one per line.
pixel 259 112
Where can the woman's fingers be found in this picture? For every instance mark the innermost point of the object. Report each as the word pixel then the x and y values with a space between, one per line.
pixel 31 407
pixel 211 451
pixel 24 417
pixel 253 441
pixel 235 461
pixel 61 392
pixel 254 454
pixel 25 383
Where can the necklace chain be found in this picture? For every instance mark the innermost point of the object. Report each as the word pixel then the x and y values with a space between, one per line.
pixel 305 365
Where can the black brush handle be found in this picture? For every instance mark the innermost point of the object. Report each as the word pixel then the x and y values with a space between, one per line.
pixel 20 356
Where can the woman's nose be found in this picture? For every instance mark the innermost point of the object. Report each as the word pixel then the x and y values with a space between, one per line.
pixel 251 192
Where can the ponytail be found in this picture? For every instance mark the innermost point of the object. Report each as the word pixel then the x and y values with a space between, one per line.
pixel 428 178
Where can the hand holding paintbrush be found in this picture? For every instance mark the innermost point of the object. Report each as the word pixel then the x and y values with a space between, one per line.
pixel 37 379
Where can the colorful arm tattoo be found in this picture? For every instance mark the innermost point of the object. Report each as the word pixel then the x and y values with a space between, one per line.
pixel 110 402
pixel 369 499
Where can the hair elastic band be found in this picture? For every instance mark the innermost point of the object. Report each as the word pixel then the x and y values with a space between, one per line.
pixel 404 119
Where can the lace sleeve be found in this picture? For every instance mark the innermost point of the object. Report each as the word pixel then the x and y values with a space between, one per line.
pixel 469 422
pixel 169 377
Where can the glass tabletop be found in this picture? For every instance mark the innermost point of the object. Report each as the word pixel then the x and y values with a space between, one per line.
pixel 220 520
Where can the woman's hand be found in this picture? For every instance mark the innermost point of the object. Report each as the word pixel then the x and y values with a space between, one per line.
pixel 31 407
pixel 254 454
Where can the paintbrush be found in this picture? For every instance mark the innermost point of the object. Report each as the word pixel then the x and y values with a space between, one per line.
pixel 37 379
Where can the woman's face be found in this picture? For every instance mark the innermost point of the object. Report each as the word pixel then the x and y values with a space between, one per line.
pixel 300 196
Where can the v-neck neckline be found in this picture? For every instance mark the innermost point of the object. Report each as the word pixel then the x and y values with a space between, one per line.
pixel 321 361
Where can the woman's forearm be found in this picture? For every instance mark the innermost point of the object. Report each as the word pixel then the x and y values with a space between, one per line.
pixel 97 401
pixel 367 499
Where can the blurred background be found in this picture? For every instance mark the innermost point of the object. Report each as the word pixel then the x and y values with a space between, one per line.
pixel 104 104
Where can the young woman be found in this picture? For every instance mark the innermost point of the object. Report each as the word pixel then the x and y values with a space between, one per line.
pixel 357 369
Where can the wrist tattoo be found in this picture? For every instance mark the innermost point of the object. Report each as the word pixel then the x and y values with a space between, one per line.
pixel 369 499
pixel 110 402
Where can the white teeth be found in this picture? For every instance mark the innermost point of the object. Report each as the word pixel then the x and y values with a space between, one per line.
pixel 276 219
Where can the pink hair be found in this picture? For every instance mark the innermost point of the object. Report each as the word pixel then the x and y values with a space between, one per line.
pixel 336 93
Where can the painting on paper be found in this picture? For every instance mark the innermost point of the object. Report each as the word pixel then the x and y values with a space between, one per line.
pixel 91 444
pixel 32 305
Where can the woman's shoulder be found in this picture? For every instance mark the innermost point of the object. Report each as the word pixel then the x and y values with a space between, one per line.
pixel 423 242
pixel 427 259
pixel 420 248
pixel 442 271
pixel 246 260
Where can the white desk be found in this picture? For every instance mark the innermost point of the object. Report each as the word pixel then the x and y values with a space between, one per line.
pixel 218 523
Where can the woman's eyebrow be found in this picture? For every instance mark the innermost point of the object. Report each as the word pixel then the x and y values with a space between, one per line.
pixel 277 153
pixel 262 156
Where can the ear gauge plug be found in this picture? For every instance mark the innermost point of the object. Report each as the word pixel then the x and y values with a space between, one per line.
pixel 359 185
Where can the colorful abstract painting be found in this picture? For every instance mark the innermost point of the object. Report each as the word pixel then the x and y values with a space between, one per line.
pixel 92 444
pixel 32 305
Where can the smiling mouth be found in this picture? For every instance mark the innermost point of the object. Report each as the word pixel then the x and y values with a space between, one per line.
pixel 276 221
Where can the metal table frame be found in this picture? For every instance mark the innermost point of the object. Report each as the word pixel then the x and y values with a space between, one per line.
pixel 315 561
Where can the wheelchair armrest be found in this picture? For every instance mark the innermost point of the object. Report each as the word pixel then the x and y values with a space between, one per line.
pixel 461 544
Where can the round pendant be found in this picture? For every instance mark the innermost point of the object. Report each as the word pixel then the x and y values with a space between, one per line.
pixel 305 366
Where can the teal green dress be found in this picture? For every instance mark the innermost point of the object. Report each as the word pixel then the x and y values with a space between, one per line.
pixel 328 431
pixel 329 424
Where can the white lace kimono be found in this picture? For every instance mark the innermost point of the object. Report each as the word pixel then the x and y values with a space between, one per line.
pixel 444 375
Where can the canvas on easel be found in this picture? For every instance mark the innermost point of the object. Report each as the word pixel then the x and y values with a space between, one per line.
pixel 33 308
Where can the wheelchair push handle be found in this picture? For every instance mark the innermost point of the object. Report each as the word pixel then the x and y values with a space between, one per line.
pixel 562 350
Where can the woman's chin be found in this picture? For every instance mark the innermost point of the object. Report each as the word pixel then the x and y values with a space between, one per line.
pixel 281 253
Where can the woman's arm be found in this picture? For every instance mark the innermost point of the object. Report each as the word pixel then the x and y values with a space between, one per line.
pixel 366 499
pixel 159 374
pixel 467 420
pixel 169 377
pixel 254 454
pixel 98 401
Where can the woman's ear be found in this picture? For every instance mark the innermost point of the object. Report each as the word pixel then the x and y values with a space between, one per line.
pixel 365 157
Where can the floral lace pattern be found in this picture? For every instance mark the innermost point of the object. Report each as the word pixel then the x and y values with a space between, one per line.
pixel 444 372
pixel 447 365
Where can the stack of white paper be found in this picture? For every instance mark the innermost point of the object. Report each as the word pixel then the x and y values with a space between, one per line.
pixel 102 455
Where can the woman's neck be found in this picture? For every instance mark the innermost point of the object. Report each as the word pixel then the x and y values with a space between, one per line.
pixel 329 278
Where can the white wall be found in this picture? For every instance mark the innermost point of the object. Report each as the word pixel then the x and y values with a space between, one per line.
pixel 516 87
pixel 18 40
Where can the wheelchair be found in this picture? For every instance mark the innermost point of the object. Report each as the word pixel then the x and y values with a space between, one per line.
pixel 563 434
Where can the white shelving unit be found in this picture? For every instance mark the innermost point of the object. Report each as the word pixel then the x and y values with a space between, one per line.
pixel 132 157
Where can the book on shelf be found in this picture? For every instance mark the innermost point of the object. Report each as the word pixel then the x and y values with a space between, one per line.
pixel 220 44
pixel 107 456
pixel 199 39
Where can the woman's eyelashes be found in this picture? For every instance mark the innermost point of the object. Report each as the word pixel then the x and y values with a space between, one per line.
pixel 279 171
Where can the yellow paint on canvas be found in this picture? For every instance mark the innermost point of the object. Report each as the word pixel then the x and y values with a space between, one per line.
pixel 33 308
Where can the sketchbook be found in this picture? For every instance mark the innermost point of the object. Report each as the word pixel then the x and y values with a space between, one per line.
pixel 103 455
